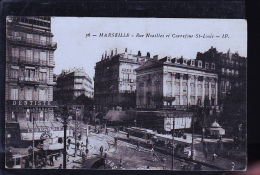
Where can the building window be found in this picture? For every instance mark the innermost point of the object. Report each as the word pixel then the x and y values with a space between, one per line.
pixel 43 57
pixel 14 73
pixel 185 61
pixel 232 71
pixel 200 78
pixel 28 94
pixel 29 38
pixel 192 62
pixel 223 70
pixel 200 63
pixel 185 77
pixel 177 76
pixel 43 40
pixel 236 72
pixel 207 65
pixel 42 96
pixel 213 66
pixel 192 87
pixel 15 52
pixel 29 74
pixel 36 56
pixel 14 94
pixel 43 76
pixel 185 100
pixel 177 100
pixel 29 55
pixel 192 100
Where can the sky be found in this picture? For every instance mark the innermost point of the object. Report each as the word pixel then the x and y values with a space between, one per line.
pixel 76 50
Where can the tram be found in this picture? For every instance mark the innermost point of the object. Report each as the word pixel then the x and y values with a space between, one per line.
pixel 140 135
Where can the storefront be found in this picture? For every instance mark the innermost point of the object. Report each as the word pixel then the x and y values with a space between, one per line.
pixel 26 110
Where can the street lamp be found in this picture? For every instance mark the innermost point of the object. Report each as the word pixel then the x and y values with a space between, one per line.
pixel 65 114
pixel 173 130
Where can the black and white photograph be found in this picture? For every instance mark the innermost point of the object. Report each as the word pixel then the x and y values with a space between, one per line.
pixel 102 93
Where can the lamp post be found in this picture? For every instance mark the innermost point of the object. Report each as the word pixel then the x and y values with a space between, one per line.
pixel 33 164
pixel 192 138
pixel 65 145
pixel 173 130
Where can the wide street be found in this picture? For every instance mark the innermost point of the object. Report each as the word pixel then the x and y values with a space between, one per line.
pixel 126 156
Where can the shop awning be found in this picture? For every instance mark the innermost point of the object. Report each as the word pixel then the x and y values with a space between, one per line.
pixel 115 115
pixel 40 127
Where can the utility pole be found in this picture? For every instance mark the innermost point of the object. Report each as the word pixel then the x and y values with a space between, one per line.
pixel 65 145
pixel 173 131
pixel 33 164
pixel 75 131
pixel 192 138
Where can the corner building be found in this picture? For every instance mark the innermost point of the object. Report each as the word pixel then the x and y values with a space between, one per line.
pixel 175 84
pixel 29 69
pixel 73 83
pixel 115 80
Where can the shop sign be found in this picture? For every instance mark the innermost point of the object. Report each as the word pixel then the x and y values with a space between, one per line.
pixel 41 129
pixel 31 103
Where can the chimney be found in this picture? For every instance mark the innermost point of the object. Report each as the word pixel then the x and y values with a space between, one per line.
pixel 105 54
pixel 148 55
pixel 155 57
pixel 126 50
pixel 139 53
pixel 111 53
pixel 116 51
pixel 102 57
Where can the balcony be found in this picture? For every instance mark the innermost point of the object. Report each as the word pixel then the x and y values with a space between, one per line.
pixel 28 61
pixel 13 60
pixel 29 80
pixel 31 42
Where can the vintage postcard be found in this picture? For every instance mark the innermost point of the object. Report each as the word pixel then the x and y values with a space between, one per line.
pixel 125 93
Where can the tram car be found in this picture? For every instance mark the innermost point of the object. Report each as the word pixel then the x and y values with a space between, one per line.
pixel 141 135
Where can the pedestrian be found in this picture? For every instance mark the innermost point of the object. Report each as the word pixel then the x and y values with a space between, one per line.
pixel 60 167
pixel 81 150
pixel 105 155
pixel 77 145
pixel 164 161
pixel 101 150
pixel 69 141
pixel 127 135
pixel 206 153
pixel 51 160
pixel 116 142
pixel 83 157
pixel 214 157
pixel 82 145
pixel 79 137
pixel 106 131
pixel 87 151
pixel 86 141
pixel 137 145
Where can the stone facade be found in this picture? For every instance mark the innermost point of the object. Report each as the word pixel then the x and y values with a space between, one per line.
pixel 29 69
pixel 115 80
pixel 175 83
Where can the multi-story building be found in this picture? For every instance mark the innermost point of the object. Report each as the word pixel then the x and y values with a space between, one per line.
pixel 176 83
pixel 73 83
pixel 115 80
pixel 29 78
pixel 29 69
pixel 231 69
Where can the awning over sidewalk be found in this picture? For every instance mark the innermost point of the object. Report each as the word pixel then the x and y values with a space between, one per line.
pixel 40 127
pixel 115 115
